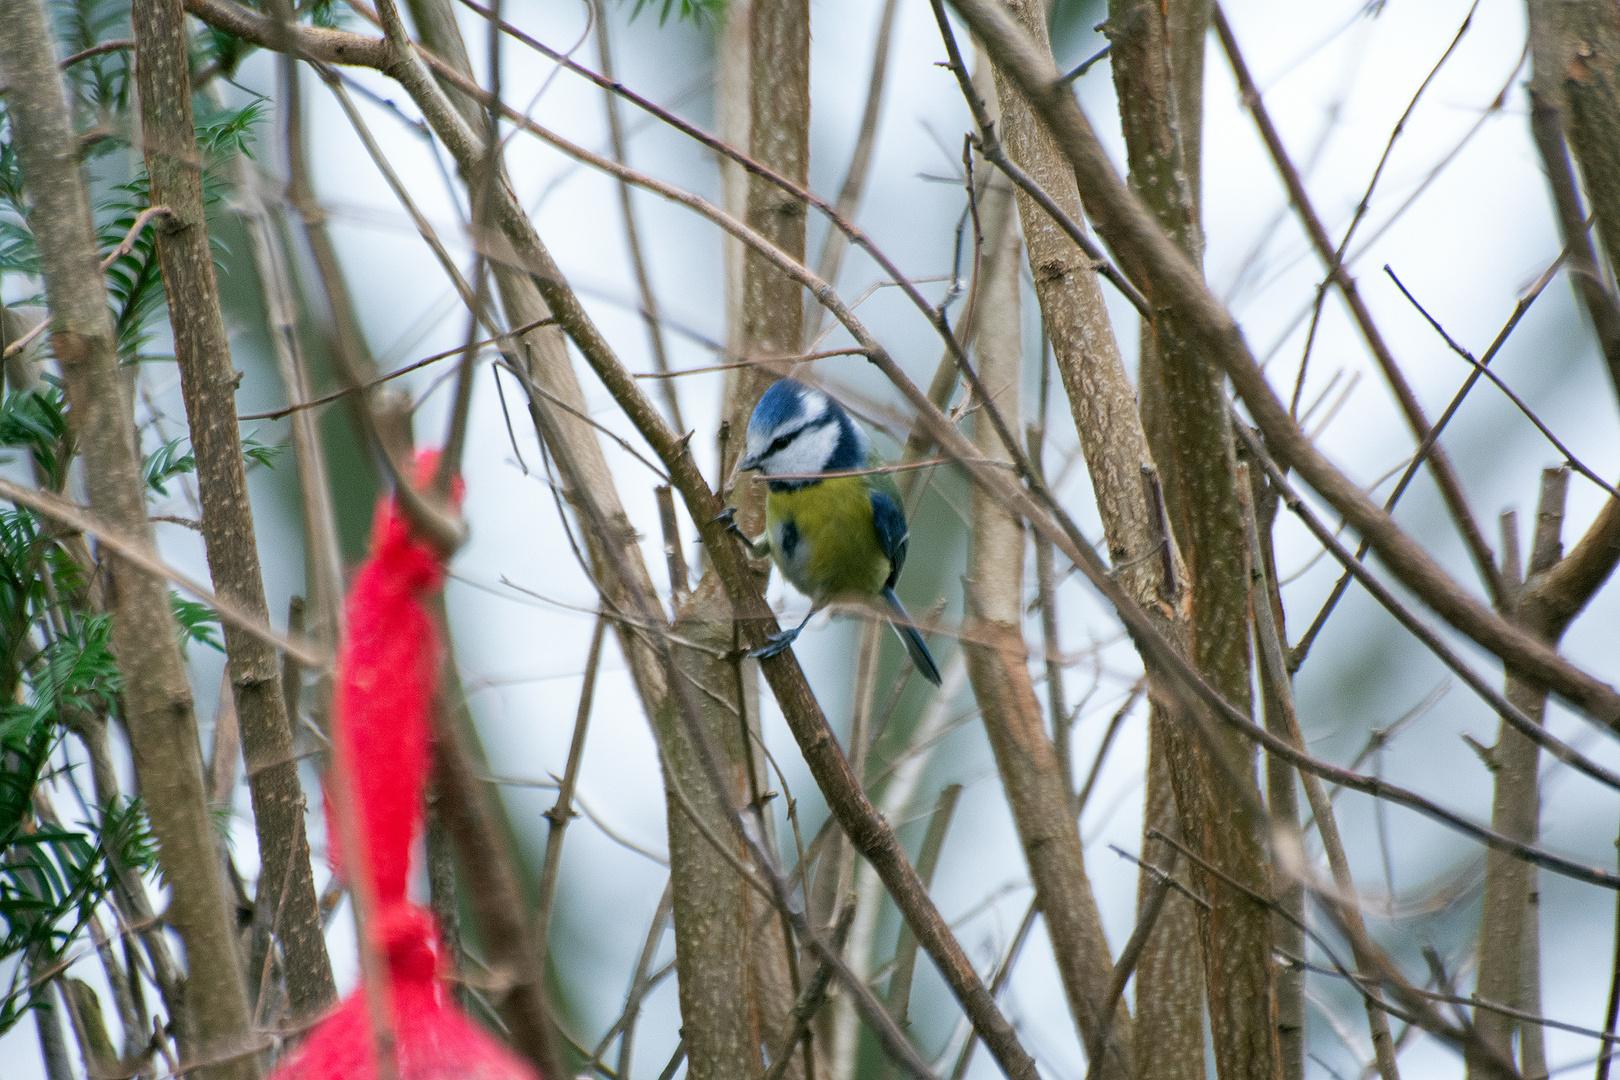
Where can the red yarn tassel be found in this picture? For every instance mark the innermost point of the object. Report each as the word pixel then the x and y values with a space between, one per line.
pixel 387 675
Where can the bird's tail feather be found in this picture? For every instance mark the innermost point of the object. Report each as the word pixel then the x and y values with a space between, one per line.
pixel 920 656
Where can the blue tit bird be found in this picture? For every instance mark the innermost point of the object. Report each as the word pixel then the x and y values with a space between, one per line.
pixel 838 537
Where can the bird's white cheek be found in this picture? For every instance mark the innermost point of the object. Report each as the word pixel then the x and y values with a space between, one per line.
pixel 806 454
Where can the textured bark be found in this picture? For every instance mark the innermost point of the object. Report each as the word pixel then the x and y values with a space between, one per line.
pixel 157 698
pixel 778 136
pixel 1193 449
pixel 998 663
pixel 208 384
pixel 1505 911
pixel 1575 54
pixel 1547 128
pixel 1116 450
pixel 715 913
pixel 770 322
pixel 1099 391
pixel 1170 973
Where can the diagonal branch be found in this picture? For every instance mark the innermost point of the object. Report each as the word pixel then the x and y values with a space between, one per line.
pixel 1165 275
pixel 1445 477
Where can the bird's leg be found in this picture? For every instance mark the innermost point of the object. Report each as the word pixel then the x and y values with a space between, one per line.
pixel 781 640
pixel 757 548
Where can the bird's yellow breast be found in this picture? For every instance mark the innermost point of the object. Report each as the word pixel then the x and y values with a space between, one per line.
pixel 823 539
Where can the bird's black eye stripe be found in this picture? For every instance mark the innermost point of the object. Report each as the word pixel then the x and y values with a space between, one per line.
pixel 780 443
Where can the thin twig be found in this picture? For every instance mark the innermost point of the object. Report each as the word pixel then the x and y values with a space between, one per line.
pixel 1474 1000
pixel 680 576
pixel 1429 638
pixel 1569 455
pixel 1096 1053
pixel 632 234
pixel 1276 667
pixel 136 554
pixel 1114 723
pixel 277 414
pixel 1302 649
pixel 563 810
pixel 1439 464
pixel 775 363
pixel 1414 1008
pixel 812 997
pixel 905 949
pixel 1372 184
pixel 860 162
pixel 642 984
pixel 998 983
pixel 986 143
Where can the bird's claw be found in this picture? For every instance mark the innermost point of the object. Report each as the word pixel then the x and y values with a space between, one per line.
pixel 778 643
pixel 728 517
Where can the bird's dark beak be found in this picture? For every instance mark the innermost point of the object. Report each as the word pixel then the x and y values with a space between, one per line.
pixel 744 464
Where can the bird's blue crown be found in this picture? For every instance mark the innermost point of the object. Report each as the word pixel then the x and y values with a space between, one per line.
pixel 784 402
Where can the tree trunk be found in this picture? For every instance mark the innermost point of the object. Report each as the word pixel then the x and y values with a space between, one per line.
pixel 215 1028
pixel 998 661
pixel 208 383
pixel 1158 76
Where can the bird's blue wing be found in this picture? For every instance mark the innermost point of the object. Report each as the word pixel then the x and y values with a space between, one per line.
pixel 890 522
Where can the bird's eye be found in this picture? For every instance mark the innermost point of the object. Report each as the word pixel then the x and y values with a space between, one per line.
pixel 780 443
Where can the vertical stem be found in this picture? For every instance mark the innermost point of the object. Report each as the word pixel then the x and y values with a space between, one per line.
pixel 321 555
pixel 779 137
pixel 1532 1037
pixel 157 698
pixel 208 383
pixel 1515 807
pixel 860 162
pixel 1158 76
pixel 1612 1013
pixel 724 935
pixel 639 985
pixel 680 586
pixel 492 889
pixel 905 949
pixel 1057 706
pixel 48 1024
pixel 770 322
pixel 349 348
pixel 1036 785
pixel 1271 654
pixel 562 811
pixel 1282 800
